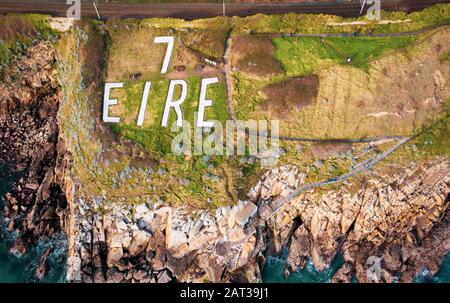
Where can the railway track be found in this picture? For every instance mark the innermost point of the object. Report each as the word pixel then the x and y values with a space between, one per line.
pixel 189 11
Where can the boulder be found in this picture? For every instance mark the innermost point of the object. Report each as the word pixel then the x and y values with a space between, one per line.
pixel 140 274
pixel 139 242
pixel 247 212
pixel 141 210
pixel 115 249
pixel 163 277
pixel 114 256
pixel 113 276
pixel 175 238
pixel 32 186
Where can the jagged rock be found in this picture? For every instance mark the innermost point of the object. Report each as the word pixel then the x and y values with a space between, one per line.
pixel 163 277
pixel 32 186
pixel 255 192
pixel 139 242
pixel 140 274
pixel 374 221
pixel 114 256
pixel 243 215
pixel 344 274
pixel 114 276
pixel 299 249
pixel 42 270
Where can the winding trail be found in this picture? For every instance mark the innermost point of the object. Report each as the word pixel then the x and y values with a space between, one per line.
pixel 268 210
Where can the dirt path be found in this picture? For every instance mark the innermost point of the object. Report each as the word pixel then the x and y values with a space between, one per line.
pixel 226 58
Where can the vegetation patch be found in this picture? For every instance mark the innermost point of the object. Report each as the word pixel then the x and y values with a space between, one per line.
pixel 306 55
pixel 17 32
pixel 326 150
pixel 254 56
pixel 432 139
pixel 319 23
pixel 292 94
pixel 211 43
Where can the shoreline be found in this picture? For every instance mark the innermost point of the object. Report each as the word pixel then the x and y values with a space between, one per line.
pixel 396 214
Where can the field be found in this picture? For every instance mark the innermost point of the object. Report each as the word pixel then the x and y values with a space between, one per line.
pixel 368 96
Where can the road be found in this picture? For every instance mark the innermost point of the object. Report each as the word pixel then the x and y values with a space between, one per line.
pixel 190 11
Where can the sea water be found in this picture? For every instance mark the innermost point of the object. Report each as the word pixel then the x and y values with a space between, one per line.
pixel 274 272
pixel 19 269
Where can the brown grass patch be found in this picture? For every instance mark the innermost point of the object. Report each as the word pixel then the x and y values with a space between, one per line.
pixel 12 26
pixel 133 51
pixel 327 150
pixel 210 43
pixel 92 54
pixel 291 94
pixel 255 56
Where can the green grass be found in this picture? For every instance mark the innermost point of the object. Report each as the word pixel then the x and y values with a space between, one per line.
pixel 152 136
pixel 4 53
pixel 432 140
pixel 445 57
pixel 435 141
pixel 306 55
pixel 318 23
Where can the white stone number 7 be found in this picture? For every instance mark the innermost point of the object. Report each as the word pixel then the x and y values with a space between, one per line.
pixel 169 40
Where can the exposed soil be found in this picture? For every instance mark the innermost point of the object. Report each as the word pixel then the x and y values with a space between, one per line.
pixel 326 150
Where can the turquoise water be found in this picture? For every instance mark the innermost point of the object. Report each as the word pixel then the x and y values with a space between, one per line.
pixel 273 272
pixel 21 269
pixel 443 276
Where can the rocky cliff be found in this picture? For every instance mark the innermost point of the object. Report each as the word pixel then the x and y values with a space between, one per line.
pixel 29 98
pixel 399 219
pixel 389 224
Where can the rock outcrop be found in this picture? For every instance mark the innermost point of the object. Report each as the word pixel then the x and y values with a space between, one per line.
pixel 29 138
pixel 397 218
pixel 400 219
pixel 389 225
pixel 155 243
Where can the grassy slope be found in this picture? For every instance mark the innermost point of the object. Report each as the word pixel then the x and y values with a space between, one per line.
pixel 196 180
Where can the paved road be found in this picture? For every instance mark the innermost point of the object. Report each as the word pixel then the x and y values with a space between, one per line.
pixel 200 10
